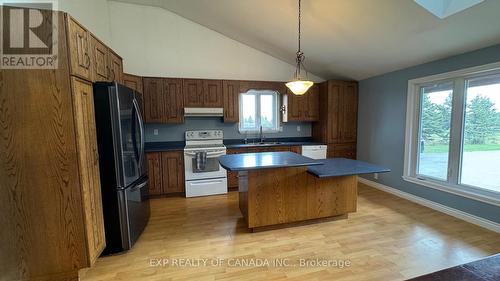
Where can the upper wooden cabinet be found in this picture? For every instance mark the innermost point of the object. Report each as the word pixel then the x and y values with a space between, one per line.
pixel 212 93
pixel 173 102
pixel 337 125
pixel 153 100
pixel 312 111
pixel 338 112
pixel 193 92
pixel 134 82
pixel 231 96
pixel 100 61
pixel 202 93
pixel 79 49
pixel 349 113
pixel 89 58
pixel 115 66
pixel 163 101
pixel 304 108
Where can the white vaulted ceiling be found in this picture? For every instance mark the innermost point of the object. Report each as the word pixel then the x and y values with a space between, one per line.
pixel 352 39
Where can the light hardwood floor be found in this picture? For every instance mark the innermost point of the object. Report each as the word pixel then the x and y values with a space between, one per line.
pixel 388 238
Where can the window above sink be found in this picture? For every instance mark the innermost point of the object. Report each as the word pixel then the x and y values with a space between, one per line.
pixel 259 108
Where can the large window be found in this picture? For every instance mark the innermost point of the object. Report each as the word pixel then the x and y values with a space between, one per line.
pixel 259 108
pixel 453 132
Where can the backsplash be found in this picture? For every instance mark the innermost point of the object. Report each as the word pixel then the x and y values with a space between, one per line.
pixel 175 132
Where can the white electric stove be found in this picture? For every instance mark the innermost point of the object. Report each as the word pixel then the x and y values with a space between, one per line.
pixel 203 173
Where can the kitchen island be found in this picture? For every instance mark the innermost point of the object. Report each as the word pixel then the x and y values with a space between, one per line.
pixel 281 188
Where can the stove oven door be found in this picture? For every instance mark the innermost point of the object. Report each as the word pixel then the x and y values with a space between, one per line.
pixel 209 170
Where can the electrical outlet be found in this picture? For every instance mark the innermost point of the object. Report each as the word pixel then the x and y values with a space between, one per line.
pixel 298 128
pixel 155 132
pixel 375 176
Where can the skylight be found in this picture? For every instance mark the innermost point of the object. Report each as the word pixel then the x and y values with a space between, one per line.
pixel 446 8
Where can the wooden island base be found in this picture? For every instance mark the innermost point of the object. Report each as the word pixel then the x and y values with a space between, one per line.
pixel 281 197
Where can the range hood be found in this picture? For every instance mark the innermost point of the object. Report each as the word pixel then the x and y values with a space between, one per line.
pixel 203 111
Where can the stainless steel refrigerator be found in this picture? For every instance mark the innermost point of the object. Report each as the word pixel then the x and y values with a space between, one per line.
pixel 122 163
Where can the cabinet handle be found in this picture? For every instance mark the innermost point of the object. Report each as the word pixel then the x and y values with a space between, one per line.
pixel 108 72
pixel 113 72
pixel 87 60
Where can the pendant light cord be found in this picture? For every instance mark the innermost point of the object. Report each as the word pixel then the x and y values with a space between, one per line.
pixel 299 25
pixel 300 55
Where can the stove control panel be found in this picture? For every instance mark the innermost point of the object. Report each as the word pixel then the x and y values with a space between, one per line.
pixel 205 135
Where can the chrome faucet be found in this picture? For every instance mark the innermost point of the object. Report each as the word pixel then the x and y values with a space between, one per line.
pixel 262 139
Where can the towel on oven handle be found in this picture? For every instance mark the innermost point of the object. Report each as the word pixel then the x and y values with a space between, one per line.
pixel 201 160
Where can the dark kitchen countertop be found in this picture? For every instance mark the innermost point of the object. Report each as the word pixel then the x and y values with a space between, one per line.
pixel 164 146
pixel 336 167
pixel 270 142
pixel 264 160
pixel 232 143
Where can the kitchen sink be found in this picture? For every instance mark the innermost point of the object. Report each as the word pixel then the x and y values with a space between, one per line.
pixel 264 143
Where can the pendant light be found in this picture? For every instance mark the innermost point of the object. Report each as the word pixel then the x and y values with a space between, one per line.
pixel 299 85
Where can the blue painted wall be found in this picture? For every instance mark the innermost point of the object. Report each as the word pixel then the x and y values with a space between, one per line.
pixel 381 126
pixel 175 132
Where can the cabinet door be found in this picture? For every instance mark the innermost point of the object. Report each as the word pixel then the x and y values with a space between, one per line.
pixel 172 169
pixel 173 101
pixel 79 49
pixel 231 96
pixel 83 103
pixel 115 66
pixel 154 172
pixel 153 100
pixel 334 92
pixel 133 82
pixel 345 150
pixel 349 112
pixel 100 66
pixel 212 93
pixel 232 177
pixel 312 105
pixel 193 92
pixel 296 149
pixel 295 107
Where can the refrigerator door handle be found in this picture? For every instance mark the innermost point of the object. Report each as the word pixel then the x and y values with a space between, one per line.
pixel 141 129
pixel 139 186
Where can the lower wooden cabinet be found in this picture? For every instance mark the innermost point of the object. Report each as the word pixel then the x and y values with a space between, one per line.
pixel 166 172
pixel 342 150
pixel 154 173
pixel 232 177
pixel 83 105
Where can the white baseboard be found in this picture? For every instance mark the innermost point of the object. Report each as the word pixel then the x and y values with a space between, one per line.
pixel 491 225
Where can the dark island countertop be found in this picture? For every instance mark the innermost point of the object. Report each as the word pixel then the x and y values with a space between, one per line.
pixel 337 167
pixel 264 160
pixel 322 168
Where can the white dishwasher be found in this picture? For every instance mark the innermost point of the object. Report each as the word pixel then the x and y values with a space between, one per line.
pixel 314 151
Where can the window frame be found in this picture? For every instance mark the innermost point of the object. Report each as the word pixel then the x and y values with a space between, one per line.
pixel 412 134
pixel 276 112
